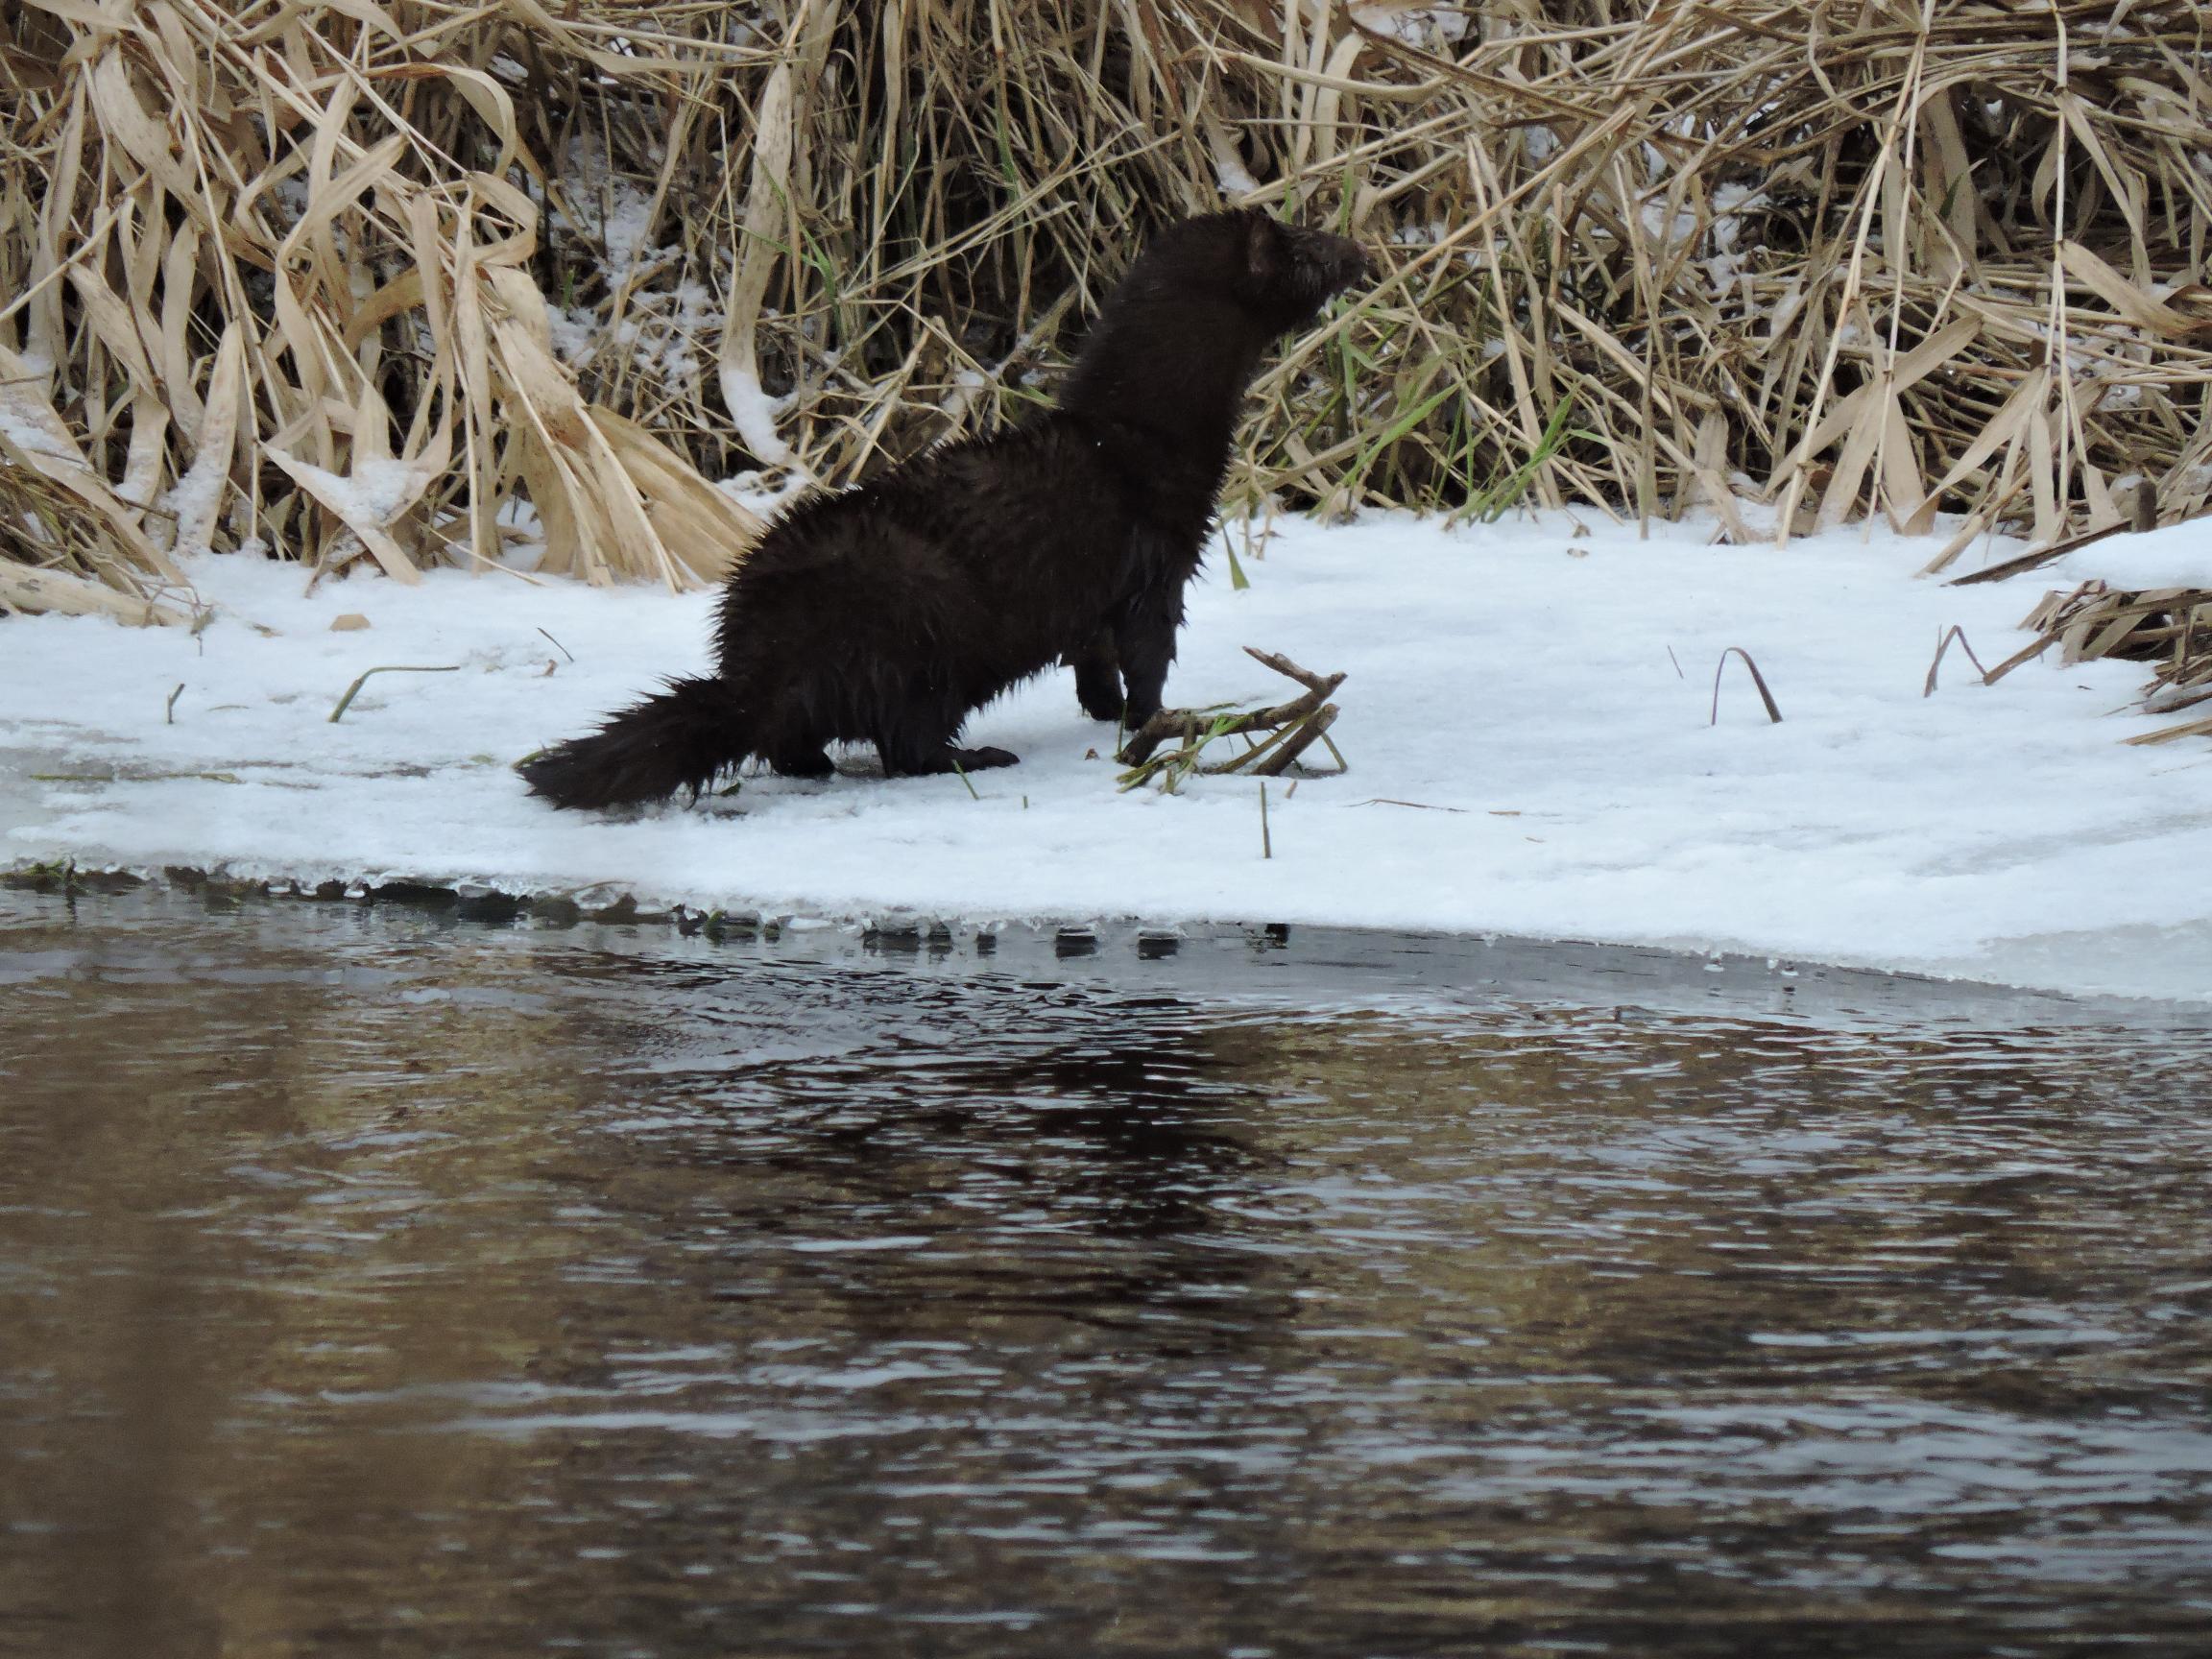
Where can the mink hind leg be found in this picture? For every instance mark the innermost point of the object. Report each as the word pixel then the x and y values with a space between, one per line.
pixel 922 760
pixel 915 740
pixel 794 737
pixel 801 759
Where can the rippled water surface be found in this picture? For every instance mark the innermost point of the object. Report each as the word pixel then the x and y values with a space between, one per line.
pixel 373 1281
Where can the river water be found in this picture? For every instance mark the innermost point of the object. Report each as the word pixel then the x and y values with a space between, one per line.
pixel 376 1281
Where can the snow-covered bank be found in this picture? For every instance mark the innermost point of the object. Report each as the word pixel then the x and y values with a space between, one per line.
pixel 1525 760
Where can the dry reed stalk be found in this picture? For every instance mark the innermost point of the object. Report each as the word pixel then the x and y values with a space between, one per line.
pixel 2170 628
pixel 275 290
pixel 370 283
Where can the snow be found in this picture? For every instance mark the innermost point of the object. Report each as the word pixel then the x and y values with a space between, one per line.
pixel 2176 556
pixel 1231 177
pixel 1434 28
pixel 34 440
pixel 754 412
pixel 608 208
pixel 194 497
pixel 377 491
pixel 1525 757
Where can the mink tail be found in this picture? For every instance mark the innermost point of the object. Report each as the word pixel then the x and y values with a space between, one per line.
pixel 676 739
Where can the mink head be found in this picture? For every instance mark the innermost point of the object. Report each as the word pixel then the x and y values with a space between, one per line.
pixel 1277 274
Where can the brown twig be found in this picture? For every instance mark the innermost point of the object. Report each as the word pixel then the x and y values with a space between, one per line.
pixel 1286 745
pixel 1942 647
pixel 1292 727
pixel 2040 556
pixel 1186 723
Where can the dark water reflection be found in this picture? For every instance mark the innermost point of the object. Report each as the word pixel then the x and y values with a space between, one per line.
pixel 376 1284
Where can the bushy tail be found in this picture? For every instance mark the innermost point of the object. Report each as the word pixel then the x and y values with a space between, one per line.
pixel 676 739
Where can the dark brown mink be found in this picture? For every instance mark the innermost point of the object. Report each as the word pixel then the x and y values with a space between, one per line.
pixel 890 613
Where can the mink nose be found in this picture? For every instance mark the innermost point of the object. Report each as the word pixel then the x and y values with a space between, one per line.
pixel 1349 265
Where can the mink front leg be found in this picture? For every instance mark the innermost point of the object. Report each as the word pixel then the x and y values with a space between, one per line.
pixel 1145 642
pixel 1097 676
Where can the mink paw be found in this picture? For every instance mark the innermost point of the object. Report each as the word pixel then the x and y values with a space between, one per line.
pixel 1098 688
pixel 1101 707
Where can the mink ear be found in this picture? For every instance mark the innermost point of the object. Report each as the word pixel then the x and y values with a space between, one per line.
pixel 1263 252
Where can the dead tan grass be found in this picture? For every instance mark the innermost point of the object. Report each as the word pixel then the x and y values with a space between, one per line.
pixel 377 284
pixel 2169 628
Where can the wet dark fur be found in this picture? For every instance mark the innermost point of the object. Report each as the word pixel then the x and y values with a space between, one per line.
pixel 887 615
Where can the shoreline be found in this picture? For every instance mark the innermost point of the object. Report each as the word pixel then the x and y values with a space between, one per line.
pixel 1337 964
pixel 1528 712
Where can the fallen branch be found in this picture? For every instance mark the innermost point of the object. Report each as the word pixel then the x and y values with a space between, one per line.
pixel 1295 727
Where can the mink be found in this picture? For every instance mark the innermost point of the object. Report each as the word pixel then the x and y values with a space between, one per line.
pixel 889 613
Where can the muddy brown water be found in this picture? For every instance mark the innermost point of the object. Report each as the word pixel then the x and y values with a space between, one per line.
pixel 373 1280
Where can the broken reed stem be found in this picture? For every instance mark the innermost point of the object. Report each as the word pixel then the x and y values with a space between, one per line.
pixel 1282 751
pixel 2169 628
pixel 1759 680
pixel 2035 557
pixel 352 691
pixel 1943 645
